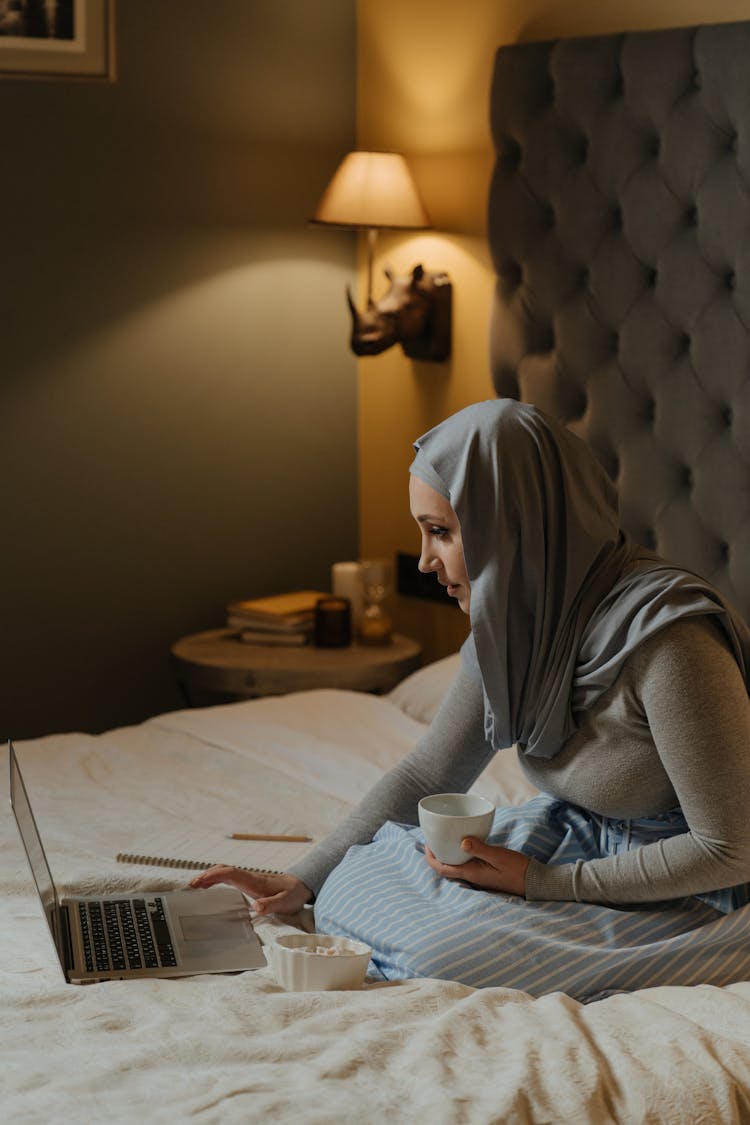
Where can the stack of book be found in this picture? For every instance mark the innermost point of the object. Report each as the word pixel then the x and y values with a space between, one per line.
pixel 282 619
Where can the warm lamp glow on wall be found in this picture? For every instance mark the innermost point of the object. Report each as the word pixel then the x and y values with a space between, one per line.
pixel 374 191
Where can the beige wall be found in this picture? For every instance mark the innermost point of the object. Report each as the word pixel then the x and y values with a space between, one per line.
pixel 424 69
pixel 177 398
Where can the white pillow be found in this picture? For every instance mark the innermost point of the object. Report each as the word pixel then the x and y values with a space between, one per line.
pixel 421 693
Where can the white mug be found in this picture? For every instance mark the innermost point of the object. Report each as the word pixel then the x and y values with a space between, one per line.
pixel 448 818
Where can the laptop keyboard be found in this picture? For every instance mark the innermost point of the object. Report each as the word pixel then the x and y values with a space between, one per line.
pixel 125 934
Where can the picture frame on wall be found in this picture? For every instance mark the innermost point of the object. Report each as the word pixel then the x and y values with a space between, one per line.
pixel 57 39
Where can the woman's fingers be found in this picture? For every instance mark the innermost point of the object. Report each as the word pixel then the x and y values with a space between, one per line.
pixel 453 870
pixel 490 853
pixel 281 894
pixel 490 866
pixel 210 876
pixel 213 875
pixel 246 881
pixel 281 903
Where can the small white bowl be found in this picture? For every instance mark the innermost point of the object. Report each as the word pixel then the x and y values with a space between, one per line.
pixel 300 963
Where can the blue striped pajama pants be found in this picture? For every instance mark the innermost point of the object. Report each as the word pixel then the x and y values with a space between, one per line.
pixel 421 925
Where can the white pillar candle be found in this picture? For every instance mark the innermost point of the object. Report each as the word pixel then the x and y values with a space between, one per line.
pixel 346 582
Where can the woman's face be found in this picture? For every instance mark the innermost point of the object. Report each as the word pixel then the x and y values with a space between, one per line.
pixel 442 549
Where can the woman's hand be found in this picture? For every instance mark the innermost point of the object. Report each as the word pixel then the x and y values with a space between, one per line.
pixel 277 894
pixel 491 867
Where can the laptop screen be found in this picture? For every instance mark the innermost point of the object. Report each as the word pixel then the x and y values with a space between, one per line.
pixel 32 843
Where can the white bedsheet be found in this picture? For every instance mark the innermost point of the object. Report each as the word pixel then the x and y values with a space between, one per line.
pixel 237 1048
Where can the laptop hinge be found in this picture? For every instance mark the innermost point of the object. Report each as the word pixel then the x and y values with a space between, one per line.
pixel 66 942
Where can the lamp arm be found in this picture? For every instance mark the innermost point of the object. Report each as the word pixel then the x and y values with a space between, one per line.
pixel 371 237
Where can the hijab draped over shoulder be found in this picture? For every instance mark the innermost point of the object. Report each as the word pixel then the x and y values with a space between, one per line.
pixel 559 596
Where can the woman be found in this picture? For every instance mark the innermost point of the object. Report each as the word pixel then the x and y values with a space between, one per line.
pixel 622 682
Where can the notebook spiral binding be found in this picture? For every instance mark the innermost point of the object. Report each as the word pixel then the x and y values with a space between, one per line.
pixel 190 864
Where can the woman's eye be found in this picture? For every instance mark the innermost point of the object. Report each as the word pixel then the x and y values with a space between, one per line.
pixel 438 532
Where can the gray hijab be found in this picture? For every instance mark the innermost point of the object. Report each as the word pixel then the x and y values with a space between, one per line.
pixel 559 596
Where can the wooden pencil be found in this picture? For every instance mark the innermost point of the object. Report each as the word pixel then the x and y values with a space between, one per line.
pixel 261 836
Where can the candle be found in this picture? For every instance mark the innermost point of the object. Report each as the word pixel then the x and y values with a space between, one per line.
pixel 346 582
pixel 333 622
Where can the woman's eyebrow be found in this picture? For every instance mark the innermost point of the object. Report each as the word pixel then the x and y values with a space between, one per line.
pixel 429 519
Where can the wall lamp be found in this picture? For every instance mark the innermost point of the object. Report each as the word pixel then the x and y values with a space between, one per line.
pixel 374 191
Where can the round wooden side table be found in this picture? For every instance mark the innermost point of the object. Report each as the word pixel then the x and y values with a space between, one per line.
pixel 217 662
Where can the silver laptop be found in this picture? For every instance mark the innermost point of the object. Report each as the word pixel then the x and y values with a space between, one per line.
pixel 119 936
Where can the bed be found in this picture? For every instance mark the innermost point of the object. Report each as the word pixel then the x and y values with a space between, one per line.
pixel 619 230
pixel 238 1048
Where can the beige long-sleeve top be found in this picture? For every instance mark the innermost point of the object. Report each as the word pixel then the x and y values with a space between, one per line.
pixel 673 730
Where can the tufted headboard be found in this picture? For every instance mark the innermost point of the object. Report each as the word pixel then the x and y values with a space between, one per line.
pixel 619 224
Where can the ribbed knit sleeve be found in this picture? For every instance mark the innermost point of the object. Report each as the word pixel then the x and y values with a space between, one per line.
pixel 448 758
pixel 694 700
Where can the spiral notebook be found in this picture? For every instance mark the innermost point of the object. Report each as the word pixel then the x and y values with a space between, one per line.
pixel 126 936
pixel 185 864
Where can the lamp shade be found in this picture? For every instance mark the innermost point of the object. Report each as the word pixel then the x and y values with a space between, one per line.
pixel 374 190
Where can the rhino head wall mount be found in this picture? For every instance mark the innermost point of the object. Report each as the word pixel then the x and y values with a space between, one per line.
pixel 414 312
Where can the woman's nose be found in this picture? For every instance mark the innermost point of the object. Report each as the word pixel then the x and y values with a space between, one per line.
pixel 427 563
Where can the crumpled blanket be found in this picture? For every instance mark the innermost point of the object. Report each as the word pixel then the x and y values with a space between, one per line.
pixel 237 1048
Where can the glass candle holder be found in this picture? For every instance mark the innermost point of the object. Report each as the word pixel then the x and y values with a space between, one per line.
pixel 376 626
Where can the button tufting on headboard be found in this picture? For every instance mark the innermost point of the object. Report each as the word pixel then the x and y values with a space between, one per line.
pixel 649 410
pixel 619 224
pixel 510 154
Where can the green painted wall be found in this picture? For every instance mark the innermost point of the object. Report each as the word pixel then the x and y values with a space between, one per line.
pixel 177 397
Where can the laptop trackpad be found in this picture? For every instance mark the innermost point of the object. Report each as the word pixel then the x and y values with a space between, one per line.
pixel 212 927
